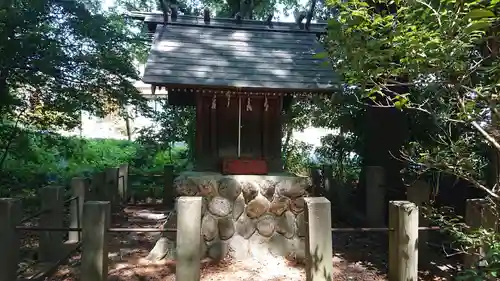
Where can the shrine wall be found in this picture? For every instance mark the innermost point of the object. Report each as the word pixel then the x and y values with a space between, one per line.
pixel 249 216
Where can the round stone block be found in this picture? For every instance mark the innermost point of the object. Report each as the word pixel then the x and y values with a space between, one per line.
pixel 220 206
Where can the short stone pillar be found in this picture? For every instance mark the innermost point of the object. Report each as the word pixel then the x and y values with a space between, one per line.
pixel 10 217
pixel 111 189
pixel 78 190
pixel 94 263
pixel 419 193
pixel 319 252
pixel 479 213
pixel 51 242
pixel 123 183
pixel 168 187
pixel 328 180
pixel 315 175
pixel 188 239
pixel 403 241
pixel 98 186
pixel 375 196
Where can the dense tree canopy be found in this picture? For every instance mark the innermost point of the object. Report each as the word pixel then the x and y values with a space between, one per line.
pixel 61 57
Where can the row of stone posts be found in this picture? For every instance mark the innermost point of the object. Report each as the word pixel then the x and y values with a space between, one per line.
pixel 52 247
pixel 480 213
pixel 109 185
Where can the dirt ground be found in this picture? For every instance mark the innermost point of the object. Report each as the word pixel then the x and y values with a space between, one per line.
pixel 357 257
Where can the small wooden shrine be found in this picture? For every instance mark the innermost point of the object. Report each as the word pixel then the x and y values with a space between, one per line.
pixel 240 75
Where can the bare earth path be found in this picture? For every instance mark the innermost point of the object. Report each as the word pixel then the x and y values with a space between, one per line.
pixel 128 251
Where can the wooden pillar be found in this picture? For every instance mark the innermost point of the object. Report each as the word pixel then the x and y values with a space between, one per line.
pixel 479 213
pixel 10 217
pixel 403 237
pixel 78 189
pixel 420 193
pixel 168 188
pixel 319 252
pixel 375 196
pixel 94 263
pixel 51 242
pixel 188 238
pixel 123 183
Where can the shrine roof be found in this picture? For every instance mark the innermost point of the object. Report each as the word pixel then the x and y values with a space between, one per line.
pixel 250 56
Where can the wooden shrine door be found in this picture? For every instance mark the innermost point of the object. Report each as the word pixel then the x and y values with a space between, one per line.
pixel 252 125
pixel 234 130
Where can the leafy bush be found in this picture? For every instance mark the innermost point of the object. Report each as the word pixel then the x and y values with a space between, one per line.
pixel 32 159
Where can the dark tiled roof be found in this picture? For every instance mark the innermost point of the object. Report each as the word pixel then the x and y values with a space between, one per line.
pixel 225 54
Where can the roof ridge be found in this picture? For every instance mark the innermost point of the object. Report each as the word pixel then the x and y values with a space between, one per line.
pixel 228 23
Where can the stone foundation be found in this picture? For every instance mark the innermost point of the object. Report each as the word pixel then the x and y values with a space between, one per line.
pixel 248 216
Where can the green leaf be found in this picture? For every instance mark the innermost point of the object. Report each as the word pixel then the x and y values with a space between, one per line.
pixel 477 26
pixel 321 55
pixel 480 14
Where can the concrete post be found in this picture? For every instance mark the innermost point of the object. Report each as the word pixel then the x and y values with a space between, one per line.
pixel 168 189
pixel 123 183
pixel 319 252
pixel 420 193
pixel 94 263
pixel 112 186
pixel 51 242
pixel 479 214
pixel 403 241
pixel 188 238
pixel 98 186
pixel 375 196
pixel 78 190
pixel 10 217
pixel 315 175
pixel 328 180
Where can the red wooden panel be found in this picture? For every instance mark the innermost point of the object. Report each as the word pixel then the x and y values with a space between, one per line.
pixel 244 167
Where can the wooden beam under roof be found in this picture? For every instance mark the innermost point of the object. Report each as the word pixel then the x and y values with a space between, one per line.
pixel 228 23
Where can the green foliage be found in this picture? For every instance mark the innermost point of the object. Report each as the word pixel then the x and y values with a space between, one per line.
pixel 61 57
pixel 37 158
pixel 298 159
pixel 340 151
pixel 437 61
pixel 465 238
pixel 171 125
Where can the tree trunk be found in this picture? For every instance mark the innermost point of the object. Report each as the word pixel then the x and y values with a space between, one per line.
pixel 127 126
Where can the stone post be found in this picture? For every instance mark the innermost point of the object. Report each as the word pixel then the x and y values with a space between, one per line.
pixel 328 180
pixel 319 252
pixel 123 183
pixel 10 217
pixel 78 190
pixel 188 238
pixel 94 263
pixel 98 186
pixel 375 196
pixel 479 214
pixel 315 175
pixel 420 193
pixel 112 186
pixel 403 241
pixel 51 242
pixel 168 188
